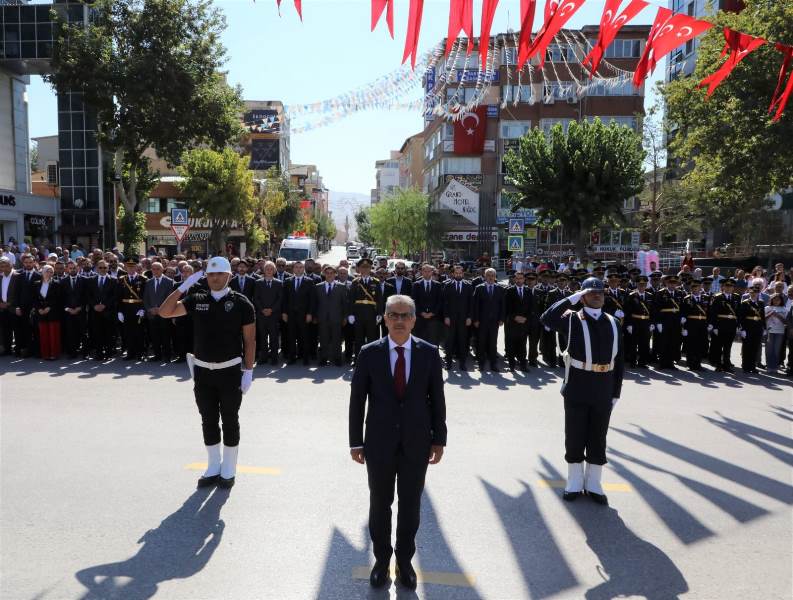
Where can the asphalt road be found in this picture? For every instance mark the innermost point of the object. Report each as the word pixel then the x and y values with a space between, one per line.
pixel 98 499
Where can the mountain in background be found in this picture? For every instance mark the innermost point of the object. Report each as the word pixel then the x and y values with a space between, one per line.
pixel 343 204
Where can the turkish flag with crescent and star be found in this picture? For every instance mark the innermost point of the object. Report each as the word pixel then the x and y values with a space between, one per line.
pixel 469 131
pixel 668 32
pixel 610 25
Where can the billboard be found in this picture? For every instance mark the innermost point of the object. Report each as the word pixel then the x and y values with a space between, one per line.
pixel 262 120
pixel 264 154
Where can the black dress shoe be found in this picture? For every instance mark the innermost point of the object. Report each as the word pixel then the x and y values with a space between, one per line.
pixel 495 369
pixel 208 481
pixel 338 363
pixel 291 361
pixel 524 367
pixel 274 362
pixel 571 496
pixel 323 363
pixel 463 367
pixel 534 363
pixel 224 483
pixel 598 498
pixel 379 575
pixel 306 362
pixel 512 365
pixel 406 576
pixel 447 365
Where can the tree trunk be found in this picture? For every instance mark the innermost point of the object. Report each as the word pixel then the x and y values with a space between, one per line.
pixel 581 237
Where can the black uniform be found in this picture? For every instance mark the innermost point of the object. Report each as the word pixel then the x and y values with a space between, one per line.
pixel 217 335
pixel 695 310
pixel 638 316
pixel 723 317
pixel 547 296
pixel 751 319
pixel 614 304
pixel 535 327
pixel 386 291
pixel 518 302
pixel 24 333
pixel 130 302
pixel 365 305
pixel 667 314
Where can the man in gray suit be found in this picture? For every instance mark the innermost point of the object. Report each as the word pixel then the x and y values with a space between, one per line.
pixel 157 289
pixel 329 311
pixel 267 297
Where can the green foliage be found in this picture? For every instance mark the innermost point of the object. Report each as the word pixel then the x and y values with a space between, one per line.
pixel 326 228
pixel 131 230
pixel 735 153
pixel 219 188
pixel 402 217
pixel 151 70
pixel 281 207
pixel 34 156
pixel 364 226
pixel 580 179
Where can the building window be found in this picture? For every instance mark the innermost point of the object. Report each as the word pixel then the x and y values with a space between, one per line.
pixel 623 88
pixel 631 122
pixel 460 165
pixel 622 48
pixel 510 56
pixel 512 130
pixel 558 90
pixel 560 53
pixel 153 205
pixel 510 93
pixel 547 124
pixel 174 203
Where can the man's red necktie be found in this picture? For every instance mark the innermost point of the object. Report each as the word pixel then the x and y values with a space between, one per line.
pixel 399 372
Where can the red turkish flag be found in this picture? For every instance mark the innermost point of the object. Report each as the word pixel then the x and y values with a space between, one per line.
pixel 378 6
pixel 557 13
pixel 461 18
pixel 469 131
pixel 298 6
pixel 610 25
pixel 739 45
pixel 668 32
pixel 414 27
pixel 488 14
pixel 527 10
pixel 779 100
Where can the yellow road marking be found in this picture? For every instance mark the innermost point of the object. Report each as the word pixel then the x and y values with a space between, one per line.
pixel 436 577
pixel 240 469
pixel 608 487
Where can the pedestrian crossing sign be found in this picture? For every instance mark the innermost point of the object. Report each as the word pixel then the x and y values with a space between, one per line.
pixel 515 243
pixel 516 226
pixel 179 216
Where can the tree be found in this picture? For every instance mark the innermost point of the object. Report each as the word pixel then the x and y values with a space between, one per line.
pixel 34 157
pixel 326 228
pixel 131 230
pixel 731 153
pixel 151 71
pixel 281 207
pixel 364 226
pixel 219 188
pixel 580 179
pixel 401 219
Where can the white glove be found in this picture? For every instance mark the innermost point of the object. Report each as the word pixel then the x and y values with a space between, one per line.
pixel 743 334
pixel 682 320
pixel 121 317
pixel 140 313
pixel 547 328
pixel 614 402
pixel 629 329
pixel 247 380
pixel 351 319
pixel 710 328
pixel 576 297
pixel 619 314
pixel 715 332
pixel 660 328
pixel 652 327
pixel 685 333
pixel 378 319
pixel 190 281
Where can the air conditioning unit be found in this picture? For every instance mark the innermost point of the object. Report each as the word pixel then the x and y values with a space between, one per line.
pixel 572 100
pixel 52 173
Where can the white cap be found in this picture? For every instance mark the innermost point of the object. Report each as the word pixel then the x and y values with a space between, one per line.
pixel 218 264
pixel 52 255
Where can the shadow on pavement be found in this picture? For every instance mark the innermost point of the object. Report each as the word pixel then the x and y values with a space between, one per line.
pixel 772 488
pixel 177 549
pixel 629 565
pixel 341 558
pixel 542 564
pixel 756 436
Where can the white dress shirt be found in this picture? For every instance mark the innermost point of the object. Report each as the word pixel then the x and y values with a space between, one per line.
pixel 6 282
pixel 393 355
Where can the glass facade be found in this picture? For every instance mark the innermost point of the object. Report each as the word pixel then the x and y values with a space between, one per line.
pixel 26 31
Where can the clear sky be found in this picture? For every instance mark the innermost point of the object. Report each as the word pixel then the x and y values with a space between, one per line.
pixel 330 53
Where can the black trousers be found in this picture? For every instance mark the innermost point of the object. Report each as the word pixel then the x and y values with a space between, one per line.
pixel 640 340
pixel 366 330
pixel 670 342
pixel 548 347
pixel 535 333
pixel 487 337
pixel 297 337
pixel 515 337
pixel 7 328
pixel 456 340
pixel 426 329
pixel 23 332
pixel 586 423
pixel 348 332
pixel 133 332
pixel 409 476
pixel 218 396
pixel 73 333
pixel 101 324
pixel 161 332
pixel 751 347
pixel 696 342
pixel 330 339
pixel 269 336
pixel 722 344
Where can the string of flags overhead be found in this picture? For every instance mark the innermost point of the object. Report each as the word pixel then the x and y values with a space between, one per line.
pixel 669 31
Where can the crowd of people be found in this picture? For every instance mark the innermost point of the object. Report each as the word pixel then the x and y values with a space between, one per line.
pixel 101 305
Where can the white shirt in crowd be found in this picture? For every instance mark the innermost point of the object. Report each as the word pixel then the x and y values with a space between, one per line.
pixel 6 282
pixel 775 324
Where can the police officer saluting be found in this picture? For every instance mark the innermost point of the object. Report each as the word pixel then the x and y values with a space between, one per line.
pixel 592 384
pixel 224 330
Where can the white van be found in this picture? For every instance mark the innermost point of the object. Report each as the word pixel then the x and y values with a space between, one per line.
pixel 298 248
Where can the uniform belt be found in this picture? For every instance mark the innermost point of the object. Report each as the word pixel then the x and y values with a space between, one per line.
pixel 643 317
pixel 217 366
pixel 366 302
pixel 132 301
pixel 593 367
pixel 670 310
pixel 726 316
pixel 752 318
pixel 697 317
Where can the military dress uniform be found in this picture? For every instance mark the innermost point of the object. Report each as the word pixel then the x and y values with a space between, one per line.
pixel 723 321
pixel 694 310
pixel 365 306
pixel 614 304
pixel 547 295
pixel 667 322
pixel 751 320
pixel 130 307
pixel 639 327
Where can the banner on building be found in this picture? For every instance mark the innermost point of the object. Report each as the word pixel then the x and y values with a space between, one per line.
pixel 264 154
pixel 467 236
pixel 461 200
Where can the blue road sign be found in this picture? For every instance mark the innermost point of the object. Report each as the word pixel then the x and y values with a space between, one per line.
pixel 179 216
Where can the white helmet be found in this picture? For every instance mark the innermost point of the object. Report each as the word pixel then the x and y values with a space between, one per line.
pixel 218 264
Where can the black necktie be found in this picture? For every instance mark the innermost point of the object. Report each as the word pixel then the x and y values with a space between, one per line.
pixel 327 289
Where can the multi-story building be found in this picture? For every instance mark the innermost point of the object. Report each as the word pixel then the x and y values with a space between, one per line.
pixel 267 139
pixel 308 181
pixel 411 162
pixel 469 190
pixel 386 176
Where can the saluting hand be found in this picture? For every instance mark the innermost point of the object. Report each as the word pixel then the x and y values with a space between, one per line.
pixel 436 453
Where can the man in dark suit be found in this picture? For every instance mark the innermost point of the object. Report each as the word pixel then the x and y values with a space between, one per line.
pixel 157 289
pixel 268 298
pixel 348 331
pixel 10 283
pixel 518 308
pixel 296 313
pixel 101 298
pixel 488 315
pixel 401 377
pixel 242 282
pixel 428 296
pixel 386 291
pixel 23 331
pixel 74 290
pixel 329 311
pixel 457 306
pixel 400 281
